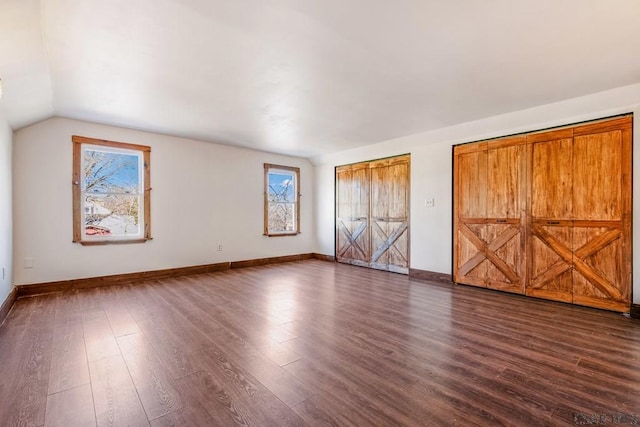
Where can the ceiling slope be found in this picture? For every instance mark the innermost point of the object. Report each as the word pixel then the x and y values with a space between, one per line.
pixel 27 95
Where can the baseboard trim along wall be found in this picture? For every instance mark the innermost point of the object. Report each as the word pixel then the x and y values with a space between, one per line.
pixel 635 311
pixel 265 261
pixel 7 304
pixel 116 279
pixel 323 257
pixel 119 279
pixel 430 276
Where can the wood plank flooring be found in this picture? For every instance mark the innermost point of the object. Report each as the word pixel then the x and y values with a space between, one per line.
pixel 313 343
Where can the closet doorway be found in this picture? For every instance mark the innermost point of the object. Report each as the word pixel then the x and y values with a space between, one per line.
pixel 372 214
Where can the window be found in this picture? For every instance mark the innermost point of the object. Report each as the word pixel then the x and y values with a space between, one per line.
pixel 111 194
pixel 281 200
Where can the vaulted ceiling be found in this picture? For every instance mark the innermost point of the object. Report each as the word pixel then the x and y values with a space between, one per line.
pixel 306 77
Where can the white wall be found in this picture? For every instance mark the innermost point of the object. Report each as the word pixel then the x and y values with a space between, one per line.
pixel 6 223
pixel 203 194
pixel 431 171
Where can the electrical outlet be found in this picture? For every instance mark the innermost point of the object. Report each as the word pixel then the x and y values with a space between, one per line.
pixel 219 246
pixel 430 203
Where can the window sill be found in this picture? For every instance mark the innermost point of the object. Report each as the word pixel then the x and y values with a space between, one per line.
pixel 110 242
pixel 295 233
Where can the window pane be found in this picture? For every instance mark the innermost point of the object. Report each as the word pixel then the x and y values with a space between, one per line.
pixel 108 172
pixel 282 217
pixel 111 215
pixel 282 187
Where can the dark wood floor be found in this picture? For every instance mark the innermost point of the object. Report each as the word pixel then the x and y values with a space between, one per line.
pixel 313 343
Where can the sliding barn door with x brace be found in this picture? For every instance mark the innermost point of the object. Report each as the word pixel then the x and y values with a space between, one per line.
pixel 548 214
pixel 490 197
pixel 372 214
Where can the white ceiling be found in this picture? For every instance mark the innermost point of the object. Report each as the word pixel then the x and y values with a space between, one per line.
pixel 306 77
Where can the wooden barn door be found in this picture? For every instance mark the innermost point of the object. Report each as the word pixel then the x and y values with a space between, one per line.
pixel 352 214
pixel 490 218
pixel 548 214
pixel 506 214
pixel 470 214
pixel 551 231
pixel 372 214
pixel 602 214
pixel 390 214
pixel 580 248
